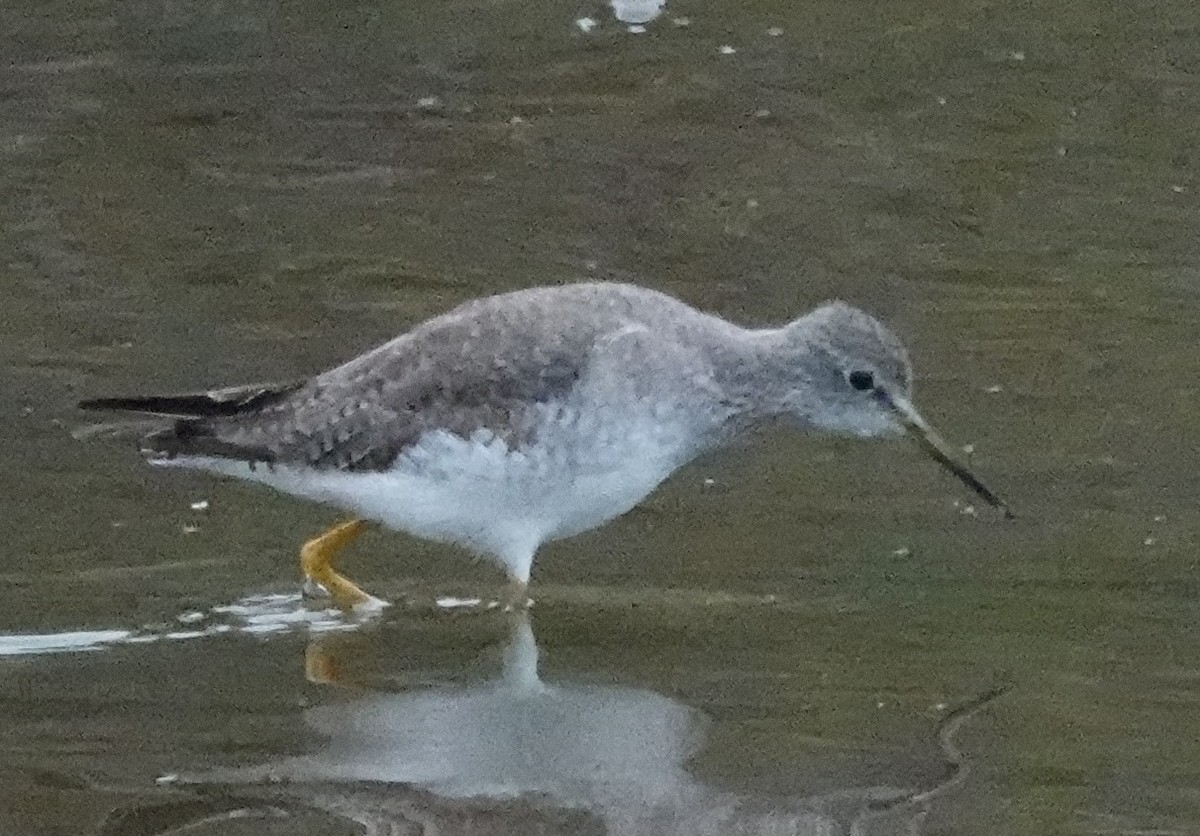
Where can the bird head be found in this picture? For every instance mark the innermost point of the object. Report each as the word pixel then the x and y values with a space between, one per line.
pixel 857 380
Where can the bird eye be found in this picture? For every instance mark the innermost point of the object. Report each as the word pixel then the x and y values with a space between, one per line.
pixel 860 380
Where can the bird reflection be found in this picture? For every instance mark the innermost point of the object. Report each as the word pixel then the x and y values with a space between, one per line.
pixel 594 746
pixel 518 754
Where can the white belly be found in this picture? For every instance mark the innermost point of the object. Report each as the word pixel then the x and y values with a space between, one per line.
pixel 479 494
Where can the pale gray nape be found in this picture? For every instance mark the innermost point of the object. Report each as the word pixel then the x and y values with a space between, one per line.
pixel 509 364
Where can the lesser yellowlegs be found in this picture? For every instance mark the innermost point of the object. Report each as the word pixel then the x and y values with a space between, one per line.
pixel 531 416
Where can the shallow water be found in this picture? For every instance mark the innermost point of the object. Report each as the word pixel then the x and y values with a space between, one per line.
pixel 787 638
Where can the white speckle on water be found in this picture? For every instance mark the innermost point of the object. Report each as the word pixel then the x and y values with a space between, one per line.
pixel 941 100
pixel 169 778
pixel 449 602
pixel 968 449
pixel 190 529
pixel 940 706
pixel 681 21
pixel 709 482
pixel 428 102
pixel 1160 518
pixel 762 113
pixel 268 627
pixel 22 644
pixel 255 604
pixel 1149 541
pixel 1178 189
pixel 775 31
pixel 903 551
pixel 994 389
pixel 185 634
pixel 636 29
pixel 279 613
pixel 1016 55
pixel 726 49
pixel 586 24
pixel 286 618
pixel 256 614
pixel 201 505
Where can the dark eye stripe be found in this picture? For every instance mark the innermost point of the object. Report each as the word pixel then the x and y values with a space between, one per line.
pixel 860 380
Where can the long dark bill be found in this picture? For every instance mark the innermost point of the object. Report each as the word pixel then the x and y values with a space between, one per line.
pixel 938 450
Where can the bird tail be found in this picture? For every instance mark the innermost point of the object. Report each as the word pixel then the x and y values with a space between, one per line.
pixel 184 424
pixel 218 403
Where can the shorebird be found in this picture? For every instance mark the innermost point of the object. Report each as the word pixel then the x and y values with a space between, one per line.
pixel 532 416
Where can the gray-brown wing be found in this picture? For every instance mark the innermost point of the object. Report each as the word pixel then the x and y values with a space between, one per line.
pixel 459 377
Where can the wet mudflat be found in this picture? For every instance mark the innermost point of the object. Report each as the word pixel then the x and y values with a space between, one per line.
pixel 789 637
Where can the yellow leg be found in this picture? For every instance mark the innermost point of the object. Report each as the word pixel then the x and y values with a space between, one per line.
pixel 316 560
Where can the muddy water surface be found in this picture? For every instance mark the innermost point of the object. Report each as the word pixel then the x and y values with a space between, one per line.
pixel 804 635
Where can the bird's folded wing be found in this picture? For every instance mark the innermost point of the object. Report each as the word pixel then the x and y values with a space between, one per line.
pixel 364 414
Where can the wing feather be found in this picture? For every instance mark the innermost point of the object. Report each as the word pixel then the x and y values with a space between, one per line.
pixel 462 376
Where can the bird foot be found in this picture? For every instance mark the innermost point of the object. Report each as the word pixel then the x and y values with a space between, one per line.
pixel 316 561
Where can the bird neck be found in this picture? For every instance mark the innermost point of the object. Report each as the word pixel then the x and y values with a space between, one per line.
pixel 770 367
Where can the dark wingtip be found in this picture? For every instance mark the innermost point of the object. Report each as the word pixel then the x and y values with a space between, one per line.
pixel 236 400
pixel 144 404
